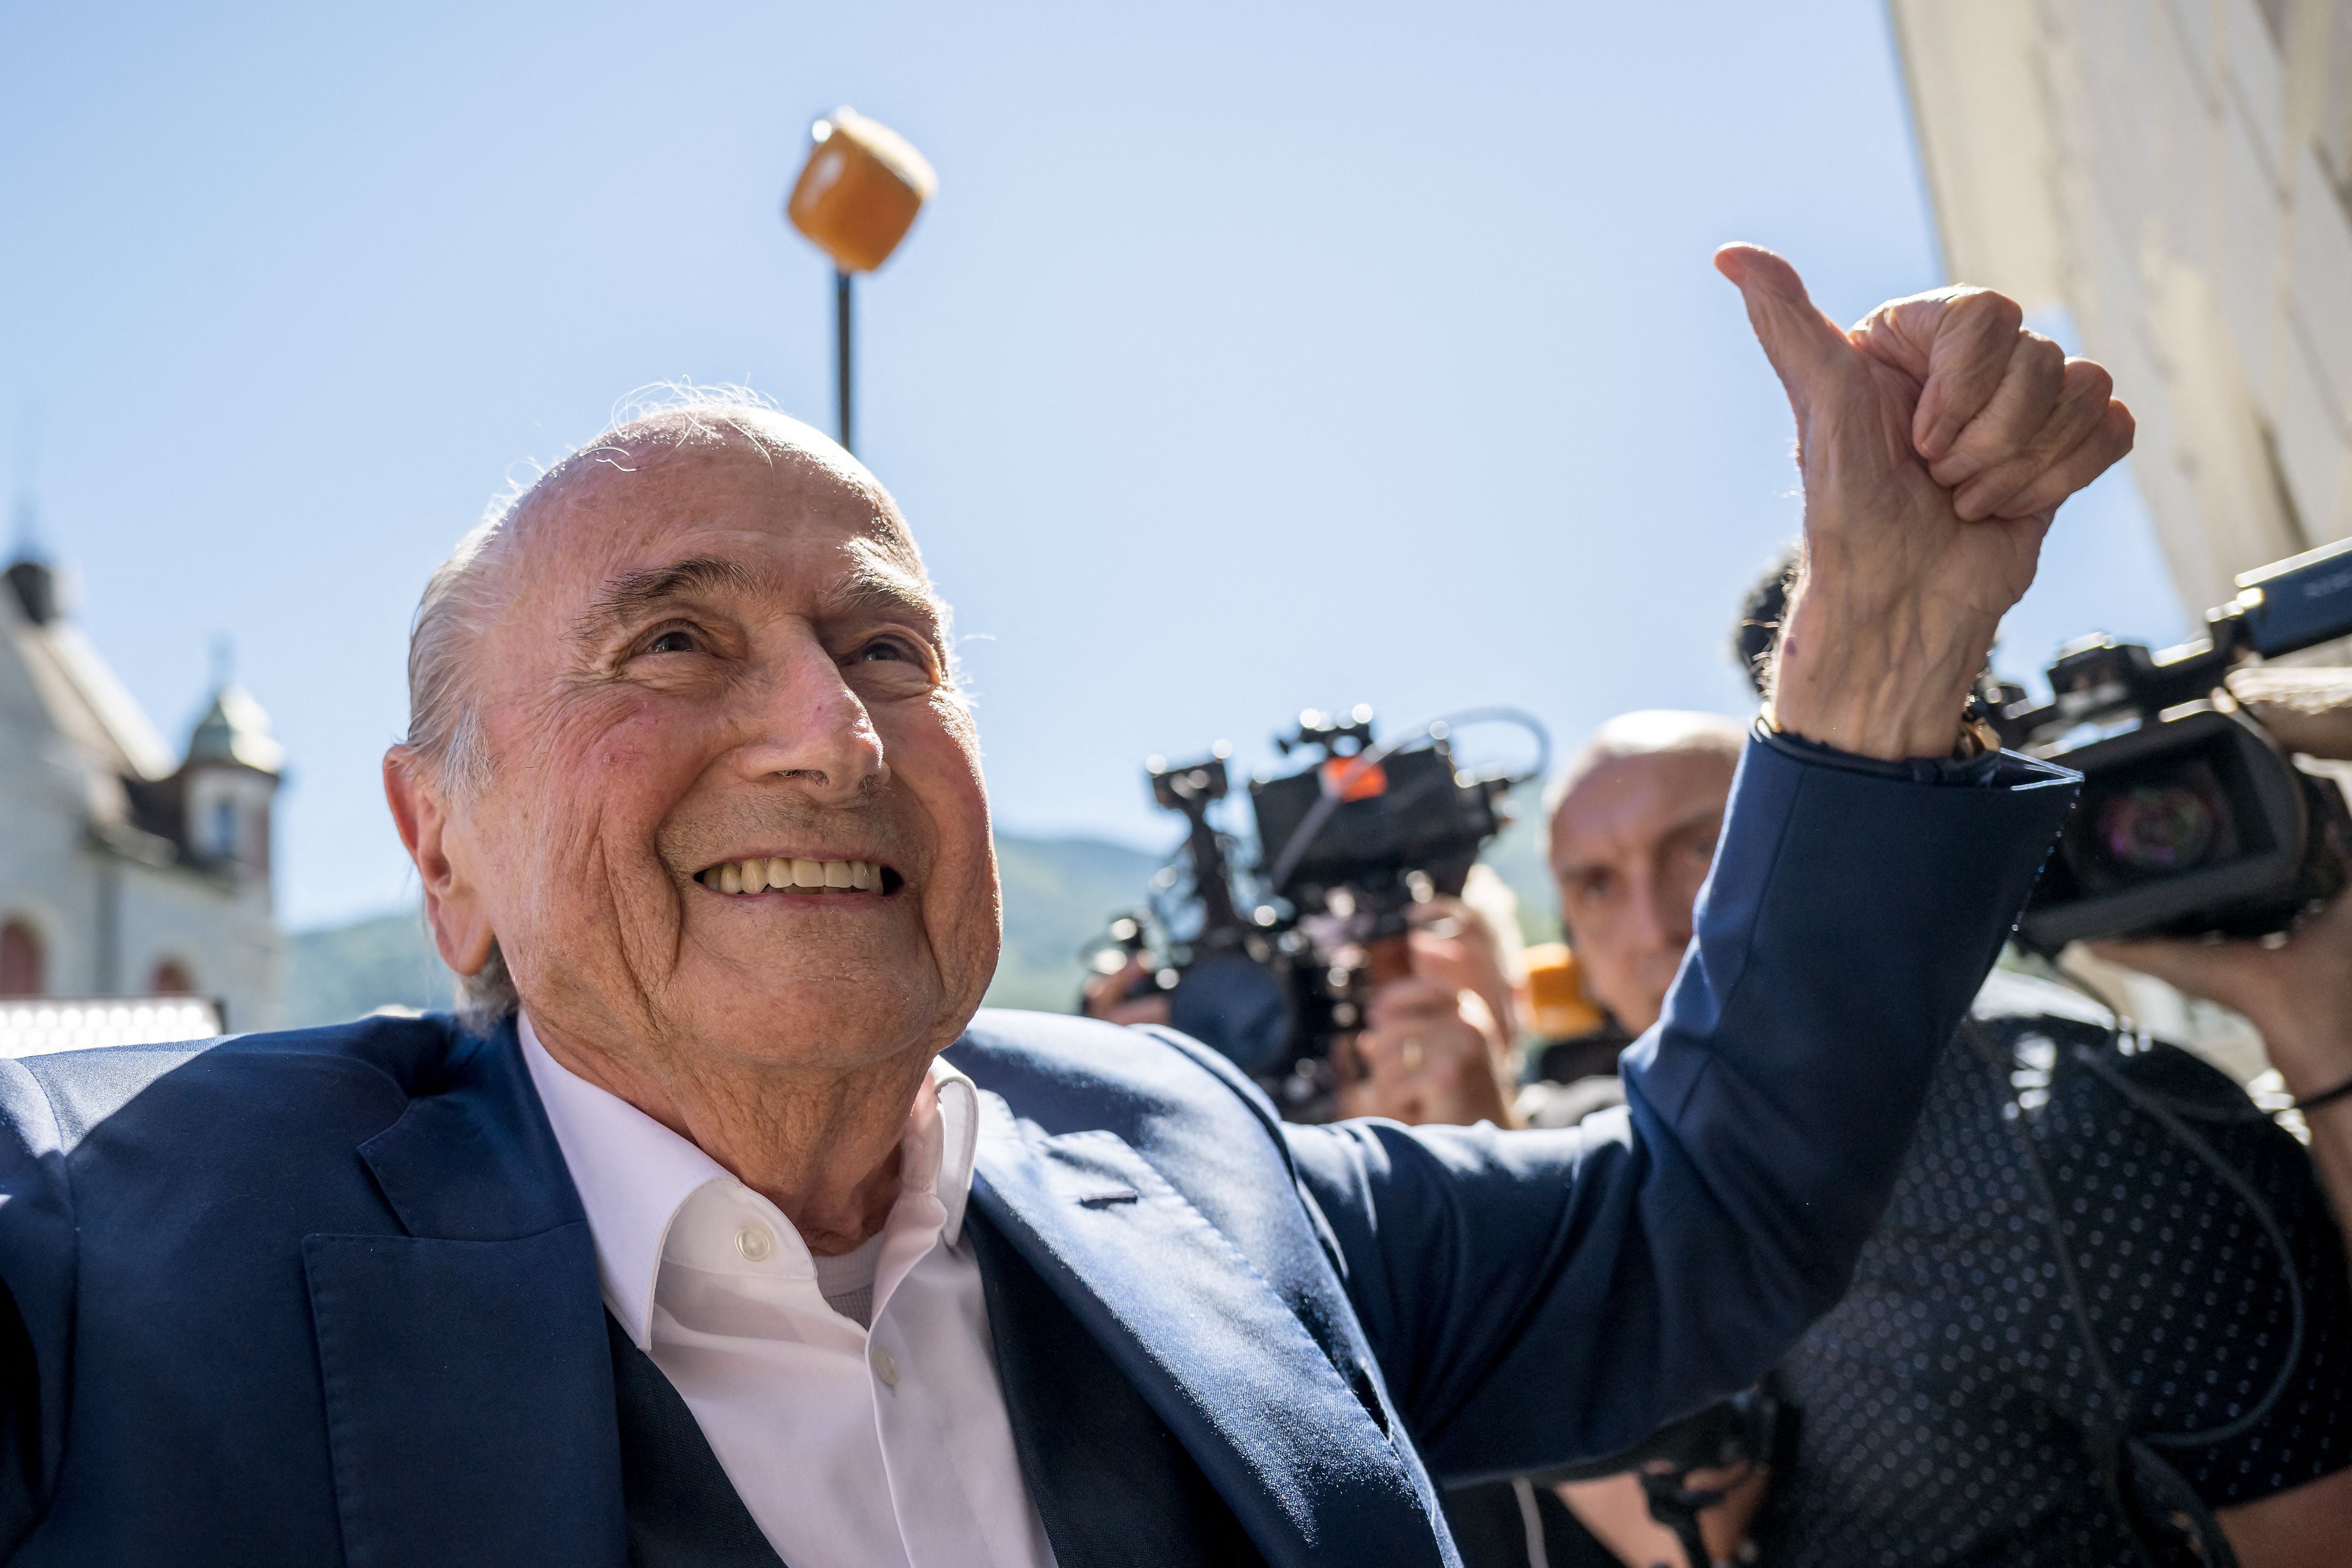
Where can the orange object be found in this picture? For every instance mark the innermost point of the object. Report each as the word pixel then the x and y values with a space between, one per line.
pixel 860 190
pixel 1350 780
pixel 1559 1006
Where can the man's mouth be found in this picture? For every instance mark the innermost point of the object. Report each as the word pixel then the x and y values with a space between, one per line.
pixel 762 874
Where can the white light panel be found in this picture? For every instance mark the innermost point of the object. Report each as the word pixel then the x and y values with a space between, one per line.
pixel 32 1028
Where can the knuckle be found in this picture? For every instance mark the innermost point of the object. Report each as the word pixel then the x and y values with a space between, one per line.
pixel 2091 379
pixel 1956 468
pixel 1994 310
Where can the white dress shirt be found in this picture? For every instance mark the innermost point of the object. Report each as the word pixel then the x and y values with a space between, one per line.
pixel 852 1448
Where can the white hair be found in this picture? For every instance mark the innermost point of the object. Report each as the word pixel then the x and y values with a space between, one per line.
pixel 465 594
pixel 444 726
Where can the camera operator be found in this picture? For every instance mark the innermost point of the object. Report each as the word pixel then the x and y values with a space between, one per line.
pixel 1439 1046
pixel 1950 1408
pixel 1442 1045
pixel 2298 993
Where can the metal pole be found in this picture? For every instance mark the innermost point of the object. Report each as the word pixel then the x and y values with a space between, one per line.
pixel 843 358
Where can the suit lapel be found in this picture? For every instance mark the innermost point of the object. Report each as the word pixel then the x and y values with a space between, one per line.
pixel 1298 1448
pixel 468 1384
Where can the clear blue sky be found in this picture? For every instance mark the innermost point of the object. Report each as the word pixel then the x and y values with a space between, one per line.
pixel 1253 356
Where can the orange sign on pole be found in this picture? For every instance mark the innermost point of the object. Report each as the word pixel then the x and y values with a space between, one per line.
pixel 859 192
pixel 855 199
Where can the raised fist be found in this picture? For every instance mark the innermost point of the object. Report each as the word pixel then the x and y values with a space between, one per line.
pixel 1937 440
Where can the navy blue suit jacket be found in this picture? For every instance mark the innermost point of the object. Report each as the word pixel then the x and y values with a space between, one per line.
pixel 330 1295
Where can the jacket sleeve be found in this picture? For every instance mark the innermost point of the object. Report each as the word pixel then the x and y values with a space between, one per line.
pixel 1537 1298
pixel 37 1275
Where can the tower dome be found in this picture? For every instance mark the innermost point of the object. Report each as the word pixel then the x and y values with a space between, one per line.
pixel 236 731
pixel 234 768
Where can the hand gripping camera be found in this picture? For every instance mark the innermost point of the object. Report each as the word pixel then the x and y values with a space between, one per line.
pixel 1279 963
pixel 2193 820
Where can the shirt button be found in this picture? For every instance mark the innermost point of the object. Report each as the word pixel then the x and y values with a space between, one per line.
pixel 754 1243
pixel 885 1367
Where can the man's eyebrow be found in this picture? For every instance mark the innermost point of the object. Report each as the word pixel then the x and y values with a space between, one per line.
pixel 1704 817
pixel 629 594
pixel 1710 816
pixel 873 589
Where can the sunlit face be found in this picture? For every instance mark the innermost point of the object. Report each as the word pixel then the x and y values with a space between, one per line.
pixel 1630 846
pixel 720 659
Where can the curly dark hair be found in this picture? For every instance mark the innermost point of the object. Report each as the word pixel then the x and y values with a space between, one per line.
pixel 1757 631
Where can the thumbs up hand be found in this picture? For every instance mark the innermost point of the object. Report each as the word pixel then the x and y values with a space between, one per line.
pixel 1937 440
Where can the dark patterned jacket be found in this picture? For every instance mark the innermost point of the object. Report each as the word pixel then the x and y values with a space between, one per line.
pixel 1952 1408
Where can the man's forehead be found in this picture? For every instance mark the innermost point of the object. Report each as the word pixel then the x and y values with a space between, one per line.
pixel 617 484
pixel 779 526
pixel 1627 799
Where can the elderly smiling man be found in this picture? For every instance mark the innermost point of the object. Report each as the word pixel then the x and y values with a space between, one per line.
pixel 723 1232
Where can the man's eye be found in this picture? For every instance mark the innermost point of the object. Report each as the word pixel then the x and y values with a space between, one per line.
pixel 672 642
pixel 888 668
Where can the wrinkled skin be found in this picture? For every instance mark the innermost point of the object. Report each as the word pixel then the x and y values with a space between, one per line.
pixel 1937 440
pixel 787 695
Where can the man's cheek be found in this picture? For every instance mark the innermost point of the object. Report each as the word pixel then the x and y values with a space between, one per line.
pixel 634 743
pixel 596 833
pixel 952 716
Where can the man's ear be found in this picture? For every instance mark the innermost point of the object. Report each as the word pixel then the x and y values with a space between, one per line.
pixel 453 904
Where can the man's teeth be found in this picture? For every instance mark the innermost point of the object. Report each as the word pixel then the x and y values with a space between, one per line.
pixel 793 875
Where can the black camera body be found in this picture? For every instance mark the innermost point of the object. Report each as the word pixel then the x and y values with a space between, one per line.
pixel 1284 957
pixel 1383 818
pixel 2193 820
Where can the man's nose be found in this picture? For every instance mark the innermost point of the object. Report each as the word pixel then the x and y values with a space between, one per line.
pixel 803 724
pixel 1663 914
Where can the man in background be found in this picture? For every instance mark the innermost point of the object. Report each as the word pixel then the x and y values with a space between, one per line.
pixel 1950 1404
pixel 1633 822
pixel 1645 799
pixel 1441 1046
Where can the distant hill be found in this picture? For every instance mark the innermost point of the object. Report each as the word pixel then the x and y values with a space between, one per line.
pixel 341 971
pixel 1059 893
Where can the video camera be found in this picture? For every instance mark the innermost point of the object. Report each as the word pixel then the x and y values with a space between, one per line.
pixel 1275 965
pixel 2193 819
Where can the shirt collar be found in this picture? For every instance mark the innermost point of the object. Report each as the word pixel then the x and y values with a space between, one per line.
pixel 634 1174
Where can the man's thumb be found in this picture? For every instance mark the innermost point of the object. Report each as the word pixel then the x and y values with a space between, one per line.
pixel 1804 345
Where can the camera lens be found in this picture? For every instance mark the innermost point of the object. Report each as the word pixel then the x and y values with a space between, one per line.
pixel 2152 828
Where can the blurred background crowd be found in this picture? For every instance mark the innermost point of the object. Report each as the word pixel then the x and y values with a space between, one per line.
pixel 1258 358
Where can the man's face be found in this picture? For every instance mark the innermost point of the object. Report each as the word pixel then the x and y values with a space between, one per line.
pixel 1629 845
pixel 717 658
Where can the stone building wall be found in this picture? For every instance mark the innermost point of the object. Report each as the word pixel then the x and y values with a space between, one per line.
pixel 2178 175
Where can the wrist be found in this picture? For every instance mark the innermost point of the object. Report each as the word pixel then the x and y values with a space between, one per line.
pixel 2310 1060
pixel 1893 688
